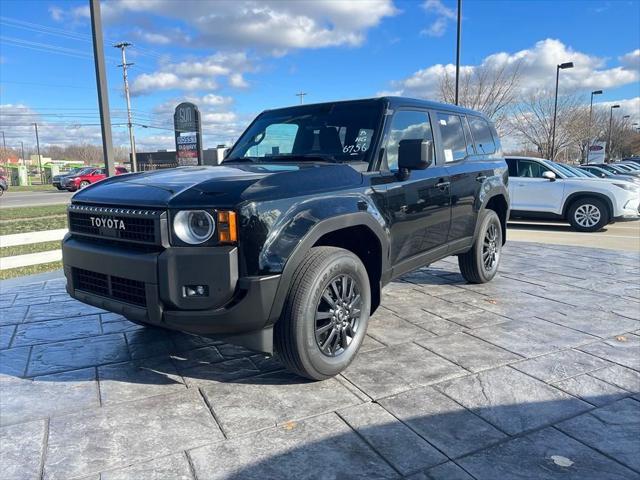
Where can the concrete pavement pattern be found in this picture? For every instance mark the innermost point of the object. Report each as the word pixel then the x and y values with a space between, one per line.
pixel 534 375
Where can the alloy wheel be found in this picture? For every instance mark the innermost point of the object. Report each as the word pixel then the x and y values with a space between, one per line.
pixel 587 215
pixel 337 317
pixel 490 248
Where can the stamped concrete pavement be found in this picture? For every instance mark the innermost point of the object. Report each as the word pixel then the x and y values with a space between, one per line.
pixel 534 375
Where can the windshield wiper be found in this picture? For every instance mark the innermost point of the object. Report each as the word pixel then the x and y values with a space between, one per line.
pixel 325 157
pixel 241 159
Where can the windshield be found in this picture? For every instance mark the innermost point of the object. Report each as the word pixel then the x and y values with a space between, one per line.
pixel 339 132
pixel 599 171
pixel 579 172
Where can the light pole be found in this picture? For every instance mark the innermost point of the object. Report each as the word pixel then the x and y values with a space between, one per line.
pixel 559 67
pixel 610 120
pixel 458 48
pixel 595 92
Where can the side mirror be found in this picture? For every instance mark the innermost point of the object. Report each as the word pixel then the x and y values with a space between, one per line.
pixel 415 154
pixel 549 175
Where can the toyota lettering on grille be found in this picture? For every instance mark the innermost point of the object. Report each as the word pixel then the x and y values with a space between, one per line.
pixel 110 223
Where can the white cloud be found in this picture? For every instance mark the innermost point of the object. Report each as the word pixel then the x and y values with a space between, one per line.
pixel 195 74
pixel 57 13
pixel 444 15
pixel 631 59
pixel 270 24
pixel 628 106
pixel 537 70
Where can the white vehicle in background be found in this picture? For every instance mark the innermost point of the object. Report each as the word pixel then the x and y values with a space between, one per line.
pixel 543 189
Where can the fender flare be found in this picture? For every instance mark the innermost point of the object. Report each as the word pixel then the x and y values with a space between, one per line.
pixel 498 191
pixel 600 196
pixel 320 229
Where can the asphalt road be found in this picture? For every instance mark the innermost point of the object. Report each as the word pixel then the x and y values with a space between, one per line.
pixel 34 199
pixel 616 236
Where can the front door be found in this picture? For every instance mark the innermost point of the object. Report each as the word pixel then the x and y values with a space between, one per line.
pixel 531 192
pixel 417 203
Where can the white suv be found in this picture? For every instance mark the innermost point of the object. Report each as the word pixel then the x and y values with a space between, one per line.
pixel 540 188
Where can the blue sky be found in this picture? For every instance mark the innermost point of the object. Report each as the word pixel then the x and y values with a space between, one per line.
pixel 235 59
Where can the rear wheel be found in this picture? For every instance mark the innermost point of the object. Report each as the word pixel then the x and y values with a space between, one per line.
pixel 588 215
pixel 480 264
pixel 326 313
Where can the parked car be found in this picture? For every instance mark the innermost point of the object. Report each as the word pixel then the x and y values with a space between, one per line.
pixel 629 165
pixel 285 247
pixel 87 176
pixel 603 173
pixel 3 184
pixel 635 160
pixel 540 188
pixel 57 179
pixel 615 169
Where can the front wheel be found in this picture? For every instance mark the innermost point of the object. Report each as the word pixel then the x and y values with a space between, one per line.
pixel 480 264
pixel 84 184
pixel 588 215
pixel 325 315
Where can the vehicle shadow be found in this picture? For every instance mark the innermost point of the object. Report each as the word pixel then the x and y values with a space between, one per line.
pixel 509 441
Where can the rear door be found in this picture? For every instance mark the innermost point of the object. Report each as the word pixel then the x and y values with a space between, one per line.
pixel 467 171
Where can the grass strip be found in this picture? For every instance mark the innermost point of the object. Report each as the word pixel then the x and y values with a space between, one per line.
pixel 32 248
pixel 33 225
pixel 32 212
pixel 30 270
pixel 32 188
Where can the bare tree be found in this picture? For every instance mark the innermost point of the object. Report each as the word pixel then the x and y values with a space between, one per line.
pixel 532 120
pixel 491 90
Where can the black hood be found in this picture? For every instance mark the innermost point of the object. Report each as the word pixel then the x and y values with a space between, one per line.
pixel 223 186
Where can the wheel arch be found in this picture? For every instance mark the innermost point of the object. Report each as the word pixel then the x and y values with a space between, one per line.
pixel 344 231
pixel 571 199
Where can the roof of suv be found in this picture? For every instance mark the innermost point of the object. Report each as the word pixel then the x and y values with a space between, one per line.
pixel 395 102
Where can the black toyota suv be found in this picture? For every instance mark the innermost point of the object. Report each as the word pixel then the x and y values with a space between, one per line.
pixel 285 247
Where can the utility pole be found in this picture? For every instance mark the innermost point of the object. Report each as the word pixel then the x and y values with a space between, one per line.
pixel 301 95
pixel 22 148
pixel 458 49
pixel 39 157
pixel 4 144
pixel 101 81
pixel 122 46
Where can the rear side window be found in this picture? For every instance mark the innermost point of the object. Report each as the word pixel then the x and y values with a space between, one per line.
pixel 482 136
pixel 530 169
pixel 454 143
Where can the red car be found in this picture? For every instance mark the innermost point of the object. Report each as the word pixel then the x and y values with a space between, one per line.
pixel 86 177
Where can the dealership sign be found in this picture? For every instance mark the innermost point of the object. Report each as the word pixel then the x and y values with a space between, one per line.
pixel 188 132
pixel 597 152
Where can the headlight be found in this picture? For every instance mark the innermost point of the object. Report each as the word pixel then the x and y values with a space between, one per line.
pixel 194 226
pixel 629 187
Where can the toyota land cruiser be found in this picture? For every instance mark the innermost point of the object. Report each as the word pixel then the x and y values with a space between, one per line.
pixel 285 247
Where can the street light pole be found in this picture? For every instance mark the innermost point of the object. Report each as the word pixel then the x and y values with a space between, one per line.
pixel 559 67
pixel 610 120
pixel 22 148
pixel 595 92
pixel 458 49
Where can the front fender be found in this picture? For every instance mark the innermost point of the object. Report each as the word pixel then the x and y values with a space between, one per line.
pixel 299 228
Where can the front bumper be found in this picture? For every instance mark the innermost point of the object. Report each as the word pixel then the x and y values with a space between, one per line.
pixel 628 206
pixel 233 306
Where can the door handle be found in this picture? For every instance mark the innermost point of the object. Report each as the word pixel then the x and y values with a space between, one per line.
pixel 442 185
pixel 481 178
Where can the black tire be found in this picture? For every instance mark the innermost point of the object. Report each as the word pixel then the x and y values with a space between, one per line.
pixel 59 188
pixel 298 343
pixel 83 184
pixel 1 191
pixel 588 215
pixel 488 246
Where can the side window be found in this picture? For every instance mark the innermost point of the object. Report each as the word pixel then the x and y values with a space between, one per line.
pixel 529 169
pixel 277 139
pixel 454 143
pixel 482 136
pixel 406 125
pixel 512 163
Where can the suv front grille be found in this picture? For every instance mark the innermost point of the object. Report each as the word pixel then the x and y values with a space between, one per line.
pixel 118 288
pixel 119 224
